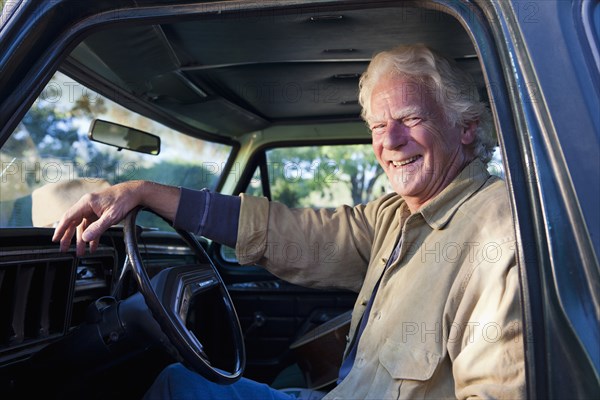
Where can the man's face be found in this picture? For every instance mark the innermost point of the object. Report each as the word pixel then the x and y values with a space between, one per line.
pixel 420 151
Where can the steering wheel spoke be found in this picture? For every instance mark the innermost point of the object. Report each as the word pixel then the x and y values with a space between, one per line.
pixel 171 294
pixel 177 288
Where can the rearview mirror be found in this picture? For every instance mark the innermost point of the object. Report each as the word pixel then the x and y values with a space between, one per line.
pixel 124 137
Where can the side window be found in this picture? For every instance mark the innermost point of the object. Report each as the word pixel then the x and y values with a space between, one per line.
pixel 325 176
pixel 495 165
pixel 318 177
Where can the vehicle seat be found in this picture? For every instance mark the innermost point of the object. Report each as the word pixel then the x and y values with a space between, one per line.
pixel 319 353
pixel 49 202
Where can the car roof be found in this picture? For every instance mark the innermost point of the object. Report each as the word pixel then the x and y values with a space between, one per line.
pixel 236 71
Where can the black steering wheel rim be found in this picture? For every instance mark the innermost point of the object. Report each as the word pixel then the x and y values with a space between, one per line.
pixel 183 343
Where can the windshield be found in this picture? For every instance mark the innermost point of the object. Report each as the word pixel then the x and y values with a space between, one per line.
pixel 48 162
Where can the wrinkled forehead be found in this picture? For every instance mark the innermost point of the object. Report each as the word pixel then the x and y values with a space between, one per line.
pixel 399 97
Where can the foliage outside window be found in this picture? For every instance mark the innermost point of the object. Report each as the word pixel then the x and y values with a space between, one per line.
pixel 325 176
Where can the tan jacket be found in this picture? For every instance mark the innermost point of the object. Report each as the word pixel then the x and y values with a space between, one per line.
pixel 446 321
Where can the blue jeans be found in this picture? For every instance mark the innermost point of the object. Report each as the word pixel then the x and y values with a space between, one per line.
pixel 179 383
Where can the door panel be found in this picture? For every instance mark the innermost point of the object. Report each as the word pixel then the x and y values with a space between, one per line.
pixel 274 313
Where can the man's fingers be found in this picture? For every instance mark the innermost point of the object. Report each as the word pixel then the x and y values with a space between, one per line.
pixel 80 246
pixel 94 230
pixel 62 228
pixel 84 232
pixel 70 219
pixel 65 239
pixel 94 245
pixel 90 217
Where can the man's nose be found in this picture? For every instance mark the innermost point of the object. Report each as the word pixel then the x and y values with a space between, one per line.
pixel 396 135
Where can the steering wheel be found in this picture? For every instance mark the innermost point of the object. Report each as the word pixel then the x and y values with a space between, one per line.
pixel 170 295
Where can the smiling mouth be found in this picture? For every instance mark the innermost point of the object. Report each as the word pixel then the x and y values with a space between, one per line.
pixel 405 162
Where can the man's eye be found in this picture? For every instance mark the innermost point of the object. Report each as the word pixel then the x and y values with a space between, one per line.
pixel 411 121
pixel 378 129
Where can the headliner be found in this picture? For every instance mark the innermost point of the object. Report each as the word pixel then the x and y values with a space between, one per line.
pixel 234 73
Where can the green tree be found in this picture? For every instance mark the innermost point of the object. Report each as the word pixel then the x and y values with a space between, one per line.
pixel 297 172
pixel 359 168
pixel 53 132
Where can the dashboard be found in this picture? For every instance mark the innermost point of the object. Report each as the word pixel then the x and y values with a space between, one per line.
pixel 44 294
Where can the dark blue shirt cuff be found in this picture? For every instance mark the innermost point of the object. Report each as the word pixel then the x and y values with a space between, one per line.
pixel 212 215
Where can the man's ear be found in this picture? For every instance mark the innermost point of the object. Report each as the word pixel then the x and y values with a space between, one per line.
pixel 468 134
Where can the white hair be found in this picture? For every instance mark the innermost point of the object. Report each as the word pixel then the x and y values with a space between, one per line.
pixel 455 89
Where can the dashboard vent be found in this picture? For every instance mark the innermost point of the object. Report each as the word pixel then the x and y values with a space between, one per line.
pixel 34 298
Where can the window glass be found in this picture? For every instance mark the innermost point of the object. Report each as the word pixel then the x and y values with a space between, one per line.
pixel 495 166
pixel 319 177
pixel 50 151
pixel 255 187
pixel 325 176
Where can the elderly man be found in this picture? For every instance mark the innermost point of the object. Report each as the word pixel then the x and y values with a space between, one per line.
pixel 438 312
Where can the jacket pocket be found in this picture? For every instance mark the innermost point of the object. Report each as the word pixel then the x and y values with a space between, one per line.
pixel 403 372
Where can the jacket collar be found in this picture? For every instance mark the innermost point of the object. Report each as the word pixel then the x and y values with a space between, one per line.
pixel 437 212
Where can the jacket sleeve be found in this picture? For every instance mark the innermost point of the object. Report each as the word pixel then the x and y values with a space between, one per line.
pixel 315 248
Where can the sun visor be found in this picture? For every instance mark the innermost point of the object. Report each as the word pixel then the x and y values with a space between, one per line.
pixel 216 115
pixel 135 54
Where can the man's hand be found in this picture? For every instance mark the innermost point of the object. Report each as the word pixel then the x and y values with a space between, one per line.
pixel 94 213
